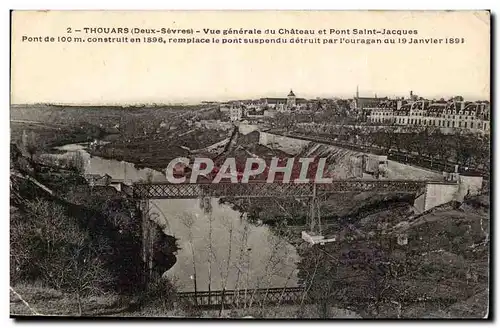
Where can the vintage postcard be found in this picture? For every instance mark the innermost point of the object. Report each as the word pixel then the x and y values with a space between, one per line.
pixel 250 164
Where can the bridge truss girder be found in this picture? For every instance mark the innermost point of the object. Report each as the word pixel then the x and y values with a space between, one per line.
pixel 276 190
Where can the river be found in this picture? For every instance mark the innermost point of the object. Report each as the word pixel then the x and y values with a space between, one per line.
pixel 217 250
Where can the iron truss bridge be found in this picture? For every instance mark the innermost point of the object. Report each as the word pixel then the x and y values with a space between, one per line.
pixel 245 297
pixel 263 189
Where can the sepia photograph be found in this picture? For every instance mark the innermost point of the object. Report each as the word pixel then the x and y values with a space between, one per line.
pixel 250 164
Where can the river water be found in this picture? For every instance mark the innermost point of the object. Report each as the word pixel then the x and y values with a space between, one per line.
pixel 217 250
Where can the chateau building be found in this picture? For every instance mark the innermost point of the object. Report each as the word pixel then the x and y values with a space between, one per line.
pixel 283 104
pixel 263 107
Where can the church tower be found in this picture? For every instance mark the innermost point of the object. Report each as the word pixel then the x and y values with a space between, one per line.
pixel 291 100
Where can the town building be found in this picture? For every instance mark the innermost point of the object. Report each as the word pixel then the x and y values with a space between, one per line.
pixel 361 103
pixel 259 113
pixel 235 113
pixel 452 114
pixel 383 112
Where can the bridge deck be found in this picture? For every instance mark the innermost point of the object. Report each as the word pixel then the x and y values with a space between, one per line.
pixel 263 189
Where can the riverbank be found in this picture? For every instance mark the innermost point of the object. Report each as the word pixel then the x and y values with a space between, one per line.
pixel 45 136
pixel 148 136
pixel 95 231
pixel 156 149
pixel 28 300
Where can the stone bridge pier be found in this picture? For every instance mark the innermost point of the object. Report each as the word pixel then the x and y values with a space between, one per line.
pixel 436 193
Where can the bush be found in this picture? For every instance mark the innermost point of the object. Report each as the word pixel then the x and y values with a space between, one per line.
pixel 77 163
pixel 85 249
pixel 159 293
pixel 49 246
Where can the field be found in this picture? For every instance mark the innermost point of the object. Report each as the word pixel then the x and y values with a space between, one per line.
pixel 107 116
pixel 146 136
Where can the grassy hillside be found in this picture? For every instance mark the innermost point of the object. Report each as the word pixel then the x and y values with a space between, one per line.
pixel 387 265
pixel 78 243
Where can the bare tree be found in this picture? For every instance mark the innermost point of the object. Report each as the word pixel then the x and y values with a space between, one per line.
pixel 210 252
pixel 224 277
pixel 149 177
pixel 64 254
pixel 242 254
pixel 188 221
pixel 86 273
pixel 77 163
pixel 29 143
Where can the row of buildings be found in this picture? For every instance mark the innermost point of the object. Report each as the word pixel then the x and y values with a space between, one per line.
pixel 414 111
pixel 454 113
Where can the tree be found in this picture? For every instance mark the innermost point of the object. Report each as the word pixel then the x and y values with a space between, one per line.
pixel 285 121
pixel 465 148
pixel 438 147
pixel 188 221
pixel 483 153
pixel 319 278
pixel 29 143
pixel 420 142
pixel 400 141
pixel 159 293
pixel 77 163
pixel 439 264
pixel 51 246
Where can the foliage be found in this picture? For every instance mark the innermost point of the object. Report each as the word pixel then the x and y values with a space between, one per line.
pixel 464 148
pixel 159 293
pixel 29 143
pixel 444 262
pixel 83 250
pixel 77 163
pixel 50 246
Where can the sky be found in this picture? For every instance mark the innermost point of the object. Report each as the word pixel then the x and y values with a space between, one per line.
pixel 126 73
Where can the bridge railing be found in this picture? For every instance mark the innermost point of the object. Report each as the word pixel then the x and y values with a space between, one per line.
pixel 239 298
